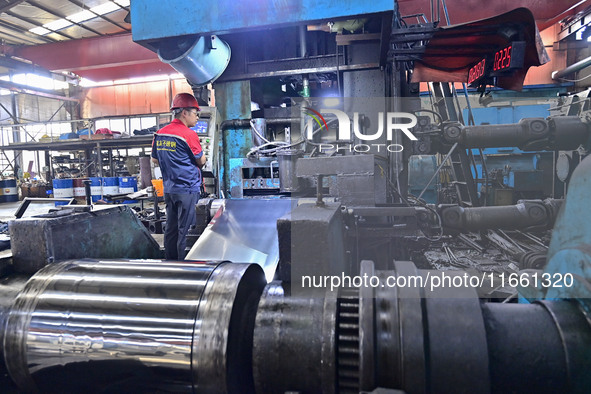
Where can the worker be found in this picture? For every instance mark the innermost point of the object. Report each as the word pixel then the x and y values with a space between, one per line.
pixel 177 150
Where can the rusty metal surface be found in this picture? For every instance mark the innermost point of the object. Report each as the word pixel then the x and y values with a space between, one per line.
pixel 468 41
pixel 114 232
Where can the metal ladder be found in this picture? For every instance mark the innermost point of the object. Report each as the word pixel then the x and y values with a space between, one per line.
pixel 460 161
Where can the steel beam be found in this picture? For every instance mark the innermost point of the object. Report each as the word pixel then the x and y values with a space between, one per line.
pixel 98 58
pixel 16 87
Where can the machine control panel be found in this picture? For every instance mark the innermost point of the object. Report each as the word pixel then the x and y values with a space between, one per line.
pixel 207 130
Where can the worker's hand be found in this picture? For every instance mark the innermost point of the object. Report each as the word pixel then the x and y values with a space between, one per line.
pixel 201 161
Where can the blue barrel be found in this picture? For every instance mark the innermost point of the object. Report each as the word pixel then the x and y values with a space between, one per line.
pixel 8 190
pixel 127 184
pixel 96 188
pixel 63 188
pixel 110 185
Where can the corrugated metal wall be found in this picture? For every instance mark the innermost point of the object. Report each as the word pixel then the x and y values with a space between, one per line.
pixel 33 109
pixel 132 99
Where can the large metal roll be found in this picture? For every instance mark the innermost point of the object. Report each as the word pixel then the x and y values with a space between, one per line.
pixel 10 287
pixel 294 342
pixel 115 326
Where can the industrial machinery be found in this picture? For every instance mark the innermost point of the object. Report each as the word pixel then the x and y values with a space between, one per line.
pixel 323 268
pixel 207 128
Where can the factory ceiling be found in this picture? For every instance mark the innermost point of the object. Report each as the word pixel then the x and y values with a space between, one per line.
pixel 35 22
pixel 89 38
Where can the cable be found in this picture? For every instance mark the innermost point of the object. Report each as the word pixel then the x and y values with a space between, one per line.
pixel 316 131
pixel 432 112
pixel 257 132
pixel 574 80
pixel 424 205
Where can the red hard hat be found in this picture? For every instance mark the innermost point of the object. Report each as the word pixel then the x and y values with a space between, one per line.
pixel 184 100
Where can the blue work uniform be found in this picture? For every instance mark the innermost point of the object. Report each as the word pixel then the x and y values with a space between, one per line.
pixel 177 148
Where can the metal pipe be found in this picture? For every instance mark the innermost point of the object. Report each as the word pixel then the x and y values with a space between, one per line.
pixel 303 43
pixel 235 123
pixel 573 68
pixel 530 134
pixel 113 325
pixel 528 213
pixel 244 123
pixel 87 192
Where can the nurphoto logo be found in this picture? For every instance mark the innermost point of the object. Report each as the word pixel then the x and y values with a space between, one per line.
pixel 394 121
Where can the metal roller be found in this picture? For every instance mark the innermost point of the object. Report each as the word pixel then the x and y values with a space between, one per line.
pixel 10 287
pixel 418 340
pixel 134 325
pixel 532 134
pixel 294 342
pixel 525 214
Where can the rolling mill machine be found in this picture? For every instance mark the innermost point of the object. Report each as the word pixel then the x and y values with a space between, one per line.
pixel 310 193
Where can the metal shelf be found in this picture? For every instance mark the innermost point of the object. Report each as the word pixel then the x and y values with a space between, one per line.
pixel 72 145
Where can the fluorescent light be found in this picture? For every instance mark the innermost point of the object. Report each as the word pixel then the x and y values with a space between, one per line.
pixel 58 24
pixel 81 16
pixel 122 3
pixel 105 8
pixel 579 33
pixel 40 30
pixel 331 101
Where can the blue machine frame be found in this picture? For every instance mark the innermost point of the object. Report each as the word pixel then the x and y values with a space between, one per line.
pixel 158 19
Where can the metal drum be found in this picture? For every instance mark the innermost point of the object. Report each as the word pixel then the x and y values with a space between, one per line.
pixel 79 193
pixel 134 326
pixel 96 188
pixel 128 184
pixel 63 188
pixel 8 190
pixel 110 186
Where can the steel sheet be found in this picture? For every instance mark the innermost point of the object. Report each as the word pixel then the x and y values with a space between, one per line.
pixel 244 231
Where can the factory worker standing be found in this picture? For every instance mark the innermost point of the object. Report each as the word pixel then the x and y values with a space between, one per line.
pixel 177 150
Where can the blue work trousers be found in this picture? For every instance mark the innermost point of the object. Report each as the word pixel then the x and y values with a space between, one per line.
pixel 180 216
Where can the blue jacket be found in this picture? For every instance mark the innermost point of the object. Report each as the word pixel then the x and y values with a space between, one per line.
pixel 177 148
